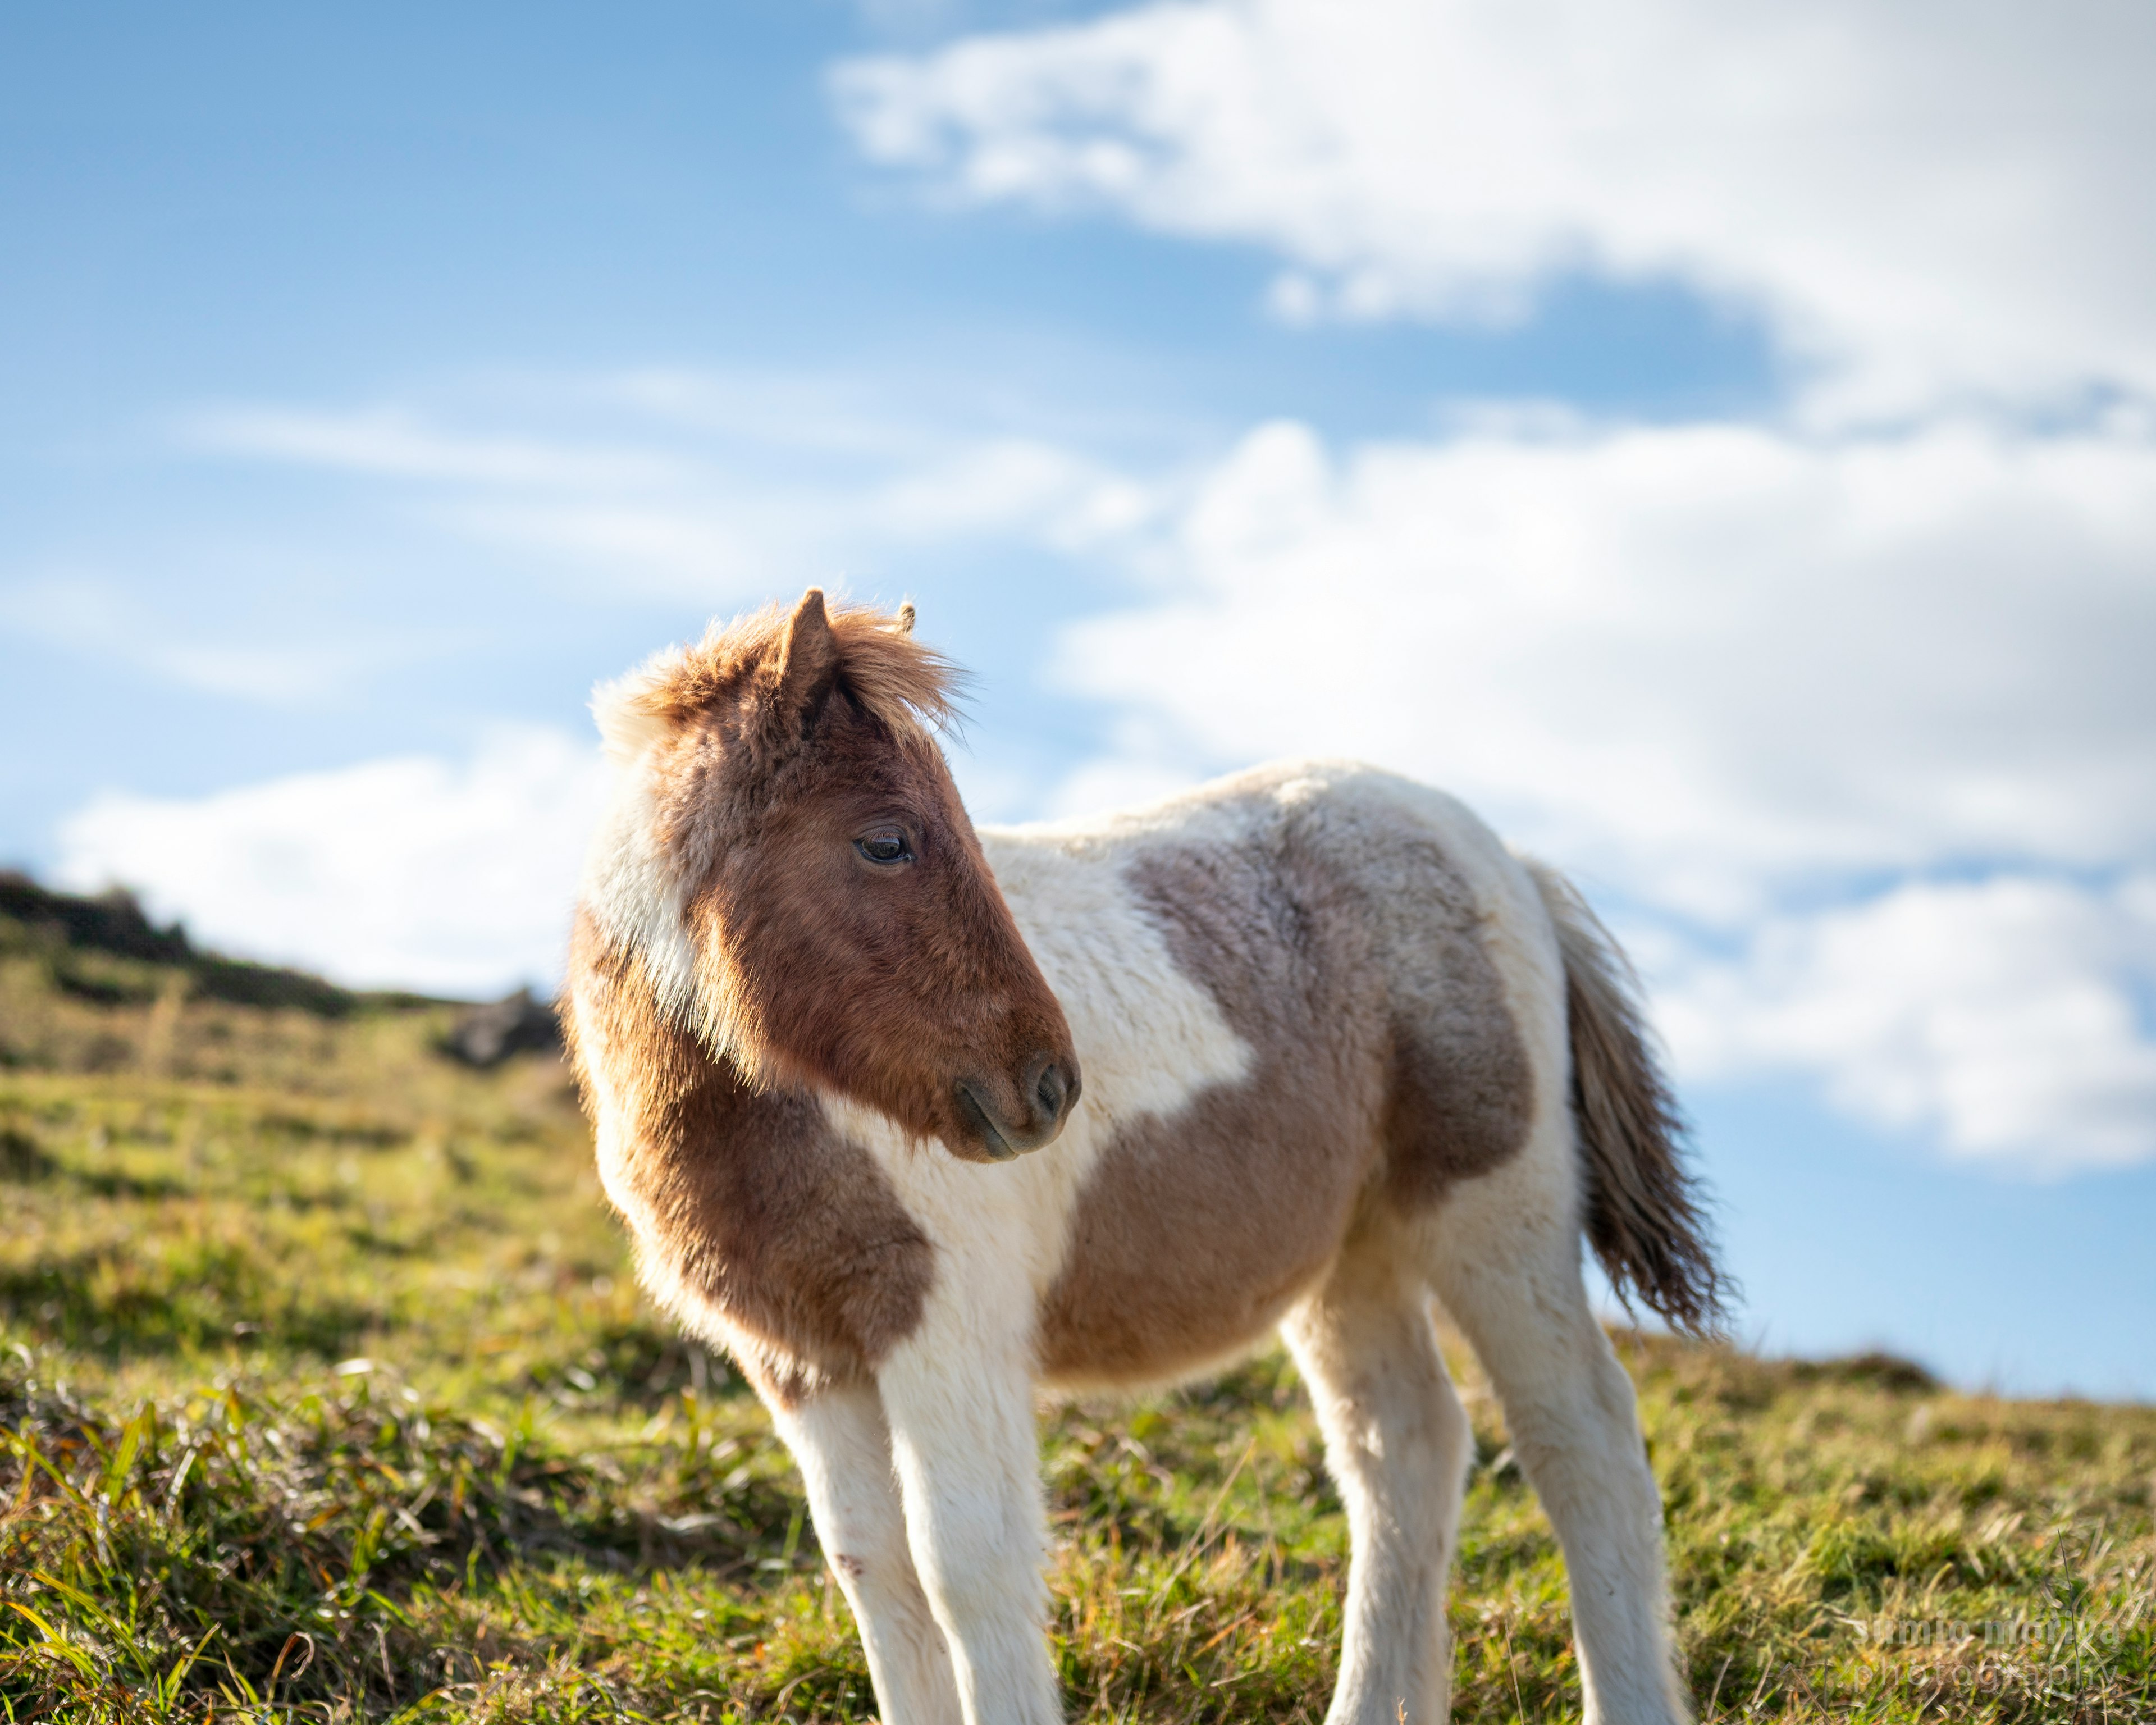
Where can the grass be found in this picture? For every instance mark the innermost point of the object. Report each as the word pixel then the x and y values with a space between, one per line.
pixel 326 1393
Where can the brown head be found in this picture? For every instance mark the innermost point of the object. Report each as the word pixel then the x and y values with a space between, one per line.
pixel 848 933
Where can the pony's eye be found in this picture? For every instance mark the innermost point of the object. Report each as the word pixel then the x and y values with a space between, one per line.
pixel 887 844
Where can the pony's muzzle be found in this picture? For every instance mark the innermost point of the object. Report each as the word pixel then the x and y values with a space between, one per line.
pixel 1044 1096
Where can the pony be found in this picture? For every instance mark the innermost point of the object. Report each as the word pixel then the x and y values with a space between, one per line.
pixel 915 1122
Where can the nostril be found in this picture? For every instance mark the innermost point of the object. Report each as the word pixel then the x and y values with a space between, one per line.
pixel 1050 1091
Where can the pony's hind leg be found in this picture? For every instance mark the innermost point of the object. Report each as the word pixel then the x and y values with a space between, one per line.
pixel 1397 1443
pixel 1504 1255
pixel 842 1442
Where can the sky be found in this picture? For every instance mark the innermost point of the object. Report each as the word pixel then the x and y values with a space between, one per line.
pixel 1718 442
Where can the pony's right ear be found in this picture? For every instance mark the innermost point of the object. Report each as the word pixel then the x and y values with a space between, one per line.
pixel 804 669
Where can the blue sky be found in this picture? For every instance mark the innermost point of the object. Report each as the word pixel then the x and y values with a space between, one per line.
pixel 1722 451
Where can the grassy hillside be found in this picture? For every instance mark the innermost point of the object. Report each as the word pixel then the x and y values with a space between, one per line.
pixel 326 1388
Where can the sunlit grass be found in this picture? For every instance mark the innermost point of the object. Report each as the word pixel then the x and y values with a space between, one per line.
pixel 326 1392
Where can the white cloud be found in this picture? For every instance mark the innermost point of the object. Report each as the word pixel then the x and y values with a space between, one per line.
pixel 1998 1015
pixel 1705 660
pixel 1929 201
pixel 1723 671
pixel 411 872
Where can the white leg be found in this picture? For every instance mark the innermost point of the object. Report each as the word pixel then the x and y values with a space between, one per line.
pixel 1396 1442
pixel 968 1463
pixel 842 1445
pixel 1505 1257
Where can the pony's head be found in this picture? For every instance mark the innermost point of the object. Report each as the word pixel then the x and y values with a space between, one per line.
pixel 840 927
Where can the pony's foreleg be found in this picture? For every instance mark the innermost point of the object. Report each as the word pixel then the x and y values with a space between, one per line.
pixel 842 1443
pixel 961 1407
pixel 1396 1442
pixel 1504 1260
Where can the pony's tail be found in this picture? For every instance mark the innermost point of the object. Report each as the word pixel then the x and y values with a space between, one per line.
pixel 1645 1213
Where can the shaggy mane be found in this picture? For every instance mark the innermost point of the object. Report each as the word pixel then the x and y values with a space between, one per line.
pixel 910 687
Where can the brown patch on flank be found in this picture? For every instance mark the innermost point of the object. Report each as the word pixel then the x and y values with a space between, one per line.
pixel 791 1238
pixel 1461 1097
pixel 1195 1232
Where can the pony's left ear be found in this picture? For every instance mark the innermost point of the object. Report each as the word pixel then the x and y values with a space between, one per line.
pixel 807 665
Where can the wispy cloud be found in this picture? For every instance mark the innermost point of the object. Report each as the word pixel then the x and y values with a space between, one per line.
pixel 397 444
pixel 98 617
pixel 713 486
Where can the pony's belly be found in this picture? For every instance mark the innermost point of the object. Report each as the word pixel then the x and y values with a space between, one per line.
pixel 1147 1336
pixel 1191 1240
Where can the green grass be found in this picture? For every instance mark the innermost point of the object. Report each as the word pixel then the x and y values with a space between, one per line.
pixel 326 1391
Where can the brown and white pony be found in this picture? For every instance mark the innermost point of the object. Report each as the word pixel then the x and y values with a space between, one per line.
pixel 1310 1045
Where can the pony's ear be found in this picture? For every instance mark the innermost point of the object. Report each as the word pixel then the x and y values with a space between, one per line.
pixel 807 664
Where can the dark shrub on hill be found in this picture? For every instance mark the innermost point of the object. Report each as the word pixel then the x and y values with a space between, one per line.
pixel 487 1035
pixel 66 925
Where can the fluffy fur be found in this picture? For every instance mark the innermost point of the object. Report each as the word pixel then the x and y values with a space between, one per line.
pixel 1328 1029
